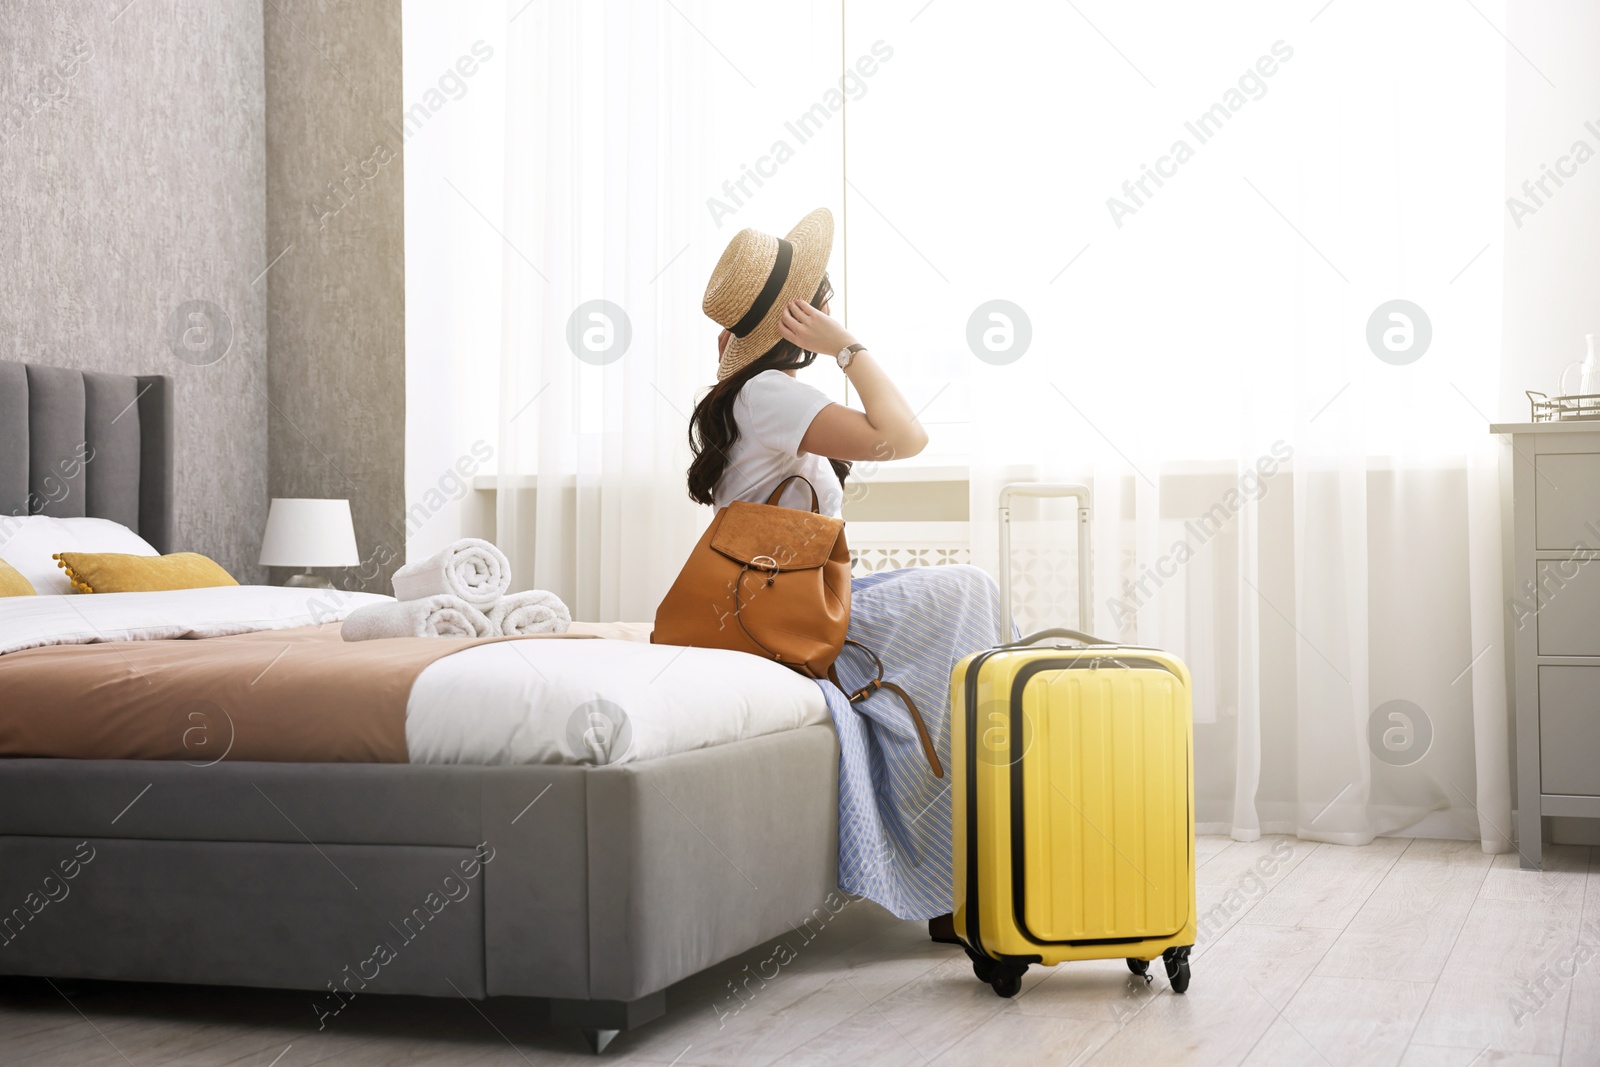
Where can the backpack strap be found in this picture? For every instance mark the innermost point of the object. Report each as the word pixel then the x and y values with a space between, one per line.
pixel 878 683
pixel 778 492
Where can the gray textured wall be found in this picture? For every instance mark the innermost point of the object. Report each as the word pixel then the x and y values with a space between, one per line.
pixel 336 298
pixel 132 181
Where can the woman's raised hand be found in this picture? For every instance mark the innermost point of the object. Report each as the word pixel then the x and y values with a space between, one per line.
pixel 812 330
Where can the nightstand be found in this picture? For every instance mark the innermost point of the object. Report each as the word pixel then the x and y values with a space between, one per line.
pixel 1553 623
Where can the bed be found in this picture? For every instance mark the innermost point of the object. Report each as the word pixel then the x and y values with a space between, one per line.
pixel 585 888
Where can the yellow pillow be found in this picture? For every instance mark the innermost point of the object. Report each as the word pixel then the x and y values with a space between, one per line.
pixel 12 583
pixel 114 572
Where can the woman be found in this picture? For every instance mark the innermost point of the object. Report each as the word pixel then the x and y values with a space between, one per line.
pixel 758 425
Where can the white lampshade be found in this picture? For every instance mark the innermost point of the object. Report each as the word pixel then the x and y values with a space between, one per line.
pixel 309 533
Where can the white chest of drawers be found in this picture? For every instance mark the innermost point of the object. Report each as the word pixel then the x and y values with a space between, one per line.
pixel 1553 623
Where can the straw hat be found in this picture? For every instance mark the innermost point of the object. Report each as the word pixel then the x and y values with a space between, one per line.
pixel 756 278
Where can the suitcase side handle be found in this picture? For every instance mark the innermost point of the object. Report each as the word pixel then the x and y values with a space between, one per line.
pixel 1057 631
pixel 1085 597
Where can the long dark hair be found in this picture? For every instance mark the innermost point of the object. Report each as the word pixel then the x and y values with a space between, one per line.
pixel 712 428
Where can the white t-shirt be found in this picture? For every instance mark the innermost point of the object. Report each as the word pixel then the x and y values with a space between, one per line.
pixel 774 411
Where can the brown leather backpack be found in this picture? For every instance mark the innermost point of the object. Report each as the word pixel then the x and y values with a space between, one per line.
pixel 774 582
pixel 764 579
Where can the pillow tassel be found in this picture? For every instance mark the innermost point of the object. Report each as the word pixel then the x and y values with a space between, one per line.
pixel 122 573
pixel 72 576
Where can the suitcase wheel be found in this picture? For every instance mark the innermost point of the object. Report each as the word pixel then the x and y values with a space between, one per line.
pixel 1004 976
pixel 982 966
pixel 1139 967
pixel 1177 963
pixel 1007 980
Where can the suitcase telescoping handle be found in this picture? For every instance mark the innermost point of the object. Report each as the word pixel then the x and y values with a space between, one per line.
pixel 1085 595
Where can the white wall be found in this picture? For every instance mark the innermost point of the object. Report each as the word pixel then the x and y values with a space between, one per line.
pixel 1552 260
pixel 452 329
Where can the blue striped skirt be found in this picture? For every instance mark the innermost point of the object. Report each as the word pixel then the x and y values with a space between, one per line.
pixel 894 815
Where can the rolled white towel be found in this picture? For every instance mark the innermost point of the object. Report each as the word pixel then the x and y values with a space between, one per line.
pixel 432 616
pixel 533 612
pixel 470 568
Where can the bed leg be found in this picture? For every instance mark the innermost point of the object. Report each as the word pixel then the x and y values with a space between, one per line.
pixel 599 1039
pixel 602 1020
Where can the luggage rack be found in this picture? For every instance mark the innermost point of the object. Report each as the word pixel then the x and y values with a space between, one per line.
pixel 1570 408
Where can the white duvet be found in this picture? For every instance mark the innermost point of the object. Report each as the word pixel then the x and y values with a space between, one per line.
pixel 537 701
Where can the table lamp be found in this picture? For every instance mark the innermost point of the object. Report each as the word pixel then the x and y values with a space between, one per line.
pixel 307 533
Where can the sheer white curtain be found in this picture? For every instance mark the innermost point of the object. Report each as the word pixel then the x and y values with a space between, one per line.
pixel 623 122
pixel 1312 527
pixel 589 503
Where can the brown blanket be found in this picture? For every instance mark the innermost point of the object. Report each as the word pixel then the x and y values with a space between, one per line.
pixel 299 696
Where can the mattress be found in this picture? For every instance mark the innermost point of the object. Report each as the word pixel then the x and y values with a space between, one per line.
pixel 611 698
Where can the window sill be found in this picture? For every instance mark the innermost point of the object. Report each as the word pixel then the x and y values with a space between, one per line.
pixel 906 472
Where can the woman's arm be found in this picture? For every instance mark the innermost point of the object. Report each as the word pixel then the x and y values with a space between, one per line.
pixel 888 429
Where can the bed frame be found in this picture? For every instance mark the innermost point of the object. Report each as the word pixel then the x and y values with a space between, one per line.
pixel 588 890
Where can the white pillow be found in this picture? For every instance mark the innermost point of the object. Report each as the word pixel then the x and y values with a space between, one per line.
pixel 28 541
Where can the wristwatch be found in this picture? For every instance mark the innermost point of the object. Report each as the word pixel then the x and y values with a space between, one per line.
pixel 847 355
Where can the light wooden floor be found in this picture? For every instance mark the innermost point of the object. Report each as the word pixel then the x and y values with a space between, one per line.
pixel 1419 953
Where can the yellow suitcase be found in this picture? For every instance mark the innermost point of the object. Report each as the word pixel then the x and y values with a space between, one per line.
pixel 1072 796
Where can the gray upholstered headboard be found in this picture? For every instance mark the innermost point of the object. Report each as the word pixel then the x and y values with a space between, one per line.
pixel 76 443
